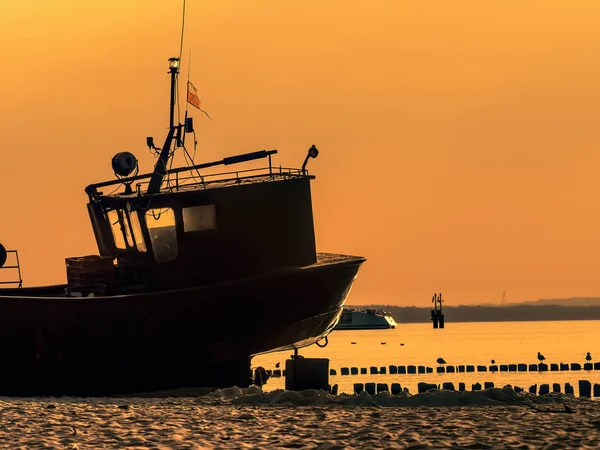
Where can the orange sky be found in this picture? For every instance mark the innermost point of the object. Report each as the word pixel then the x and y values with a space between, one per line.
pixel 459 145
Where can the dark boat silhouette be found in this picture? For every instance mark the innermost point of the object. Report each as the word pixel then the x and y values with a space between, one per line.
pixel 196 273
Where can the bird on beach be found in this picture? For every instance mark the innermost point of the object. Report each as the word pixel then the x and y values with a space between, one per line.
pixel 588 357
pixel 541 357
pixel 567 409
pixel 493 361
pixel 277 365
pixel 441 361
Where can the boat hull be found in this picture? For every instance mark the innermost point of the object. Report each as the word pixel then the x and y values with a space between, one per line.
pixel 202 336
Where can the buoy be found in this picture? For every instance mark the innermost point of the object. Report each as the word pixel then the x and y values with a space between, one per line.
pixel 3 255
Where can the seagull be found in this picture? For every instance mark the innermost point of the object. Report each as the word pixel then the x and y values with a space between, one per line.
pixel 541 357
pixel 441 361
pixel 383 343
pixel 353 343
pixel 588 357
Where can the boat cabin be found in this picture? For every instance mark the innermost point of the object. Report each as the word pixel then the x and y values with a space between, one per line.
pixel 204 229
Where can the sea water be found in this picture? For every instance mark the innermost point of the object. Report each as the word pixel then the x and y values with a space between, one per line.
pixel 274 418
pixel 460 343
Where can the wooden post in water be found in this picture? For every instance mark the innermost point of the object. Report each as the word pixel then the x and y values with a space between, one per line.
pixel 436 313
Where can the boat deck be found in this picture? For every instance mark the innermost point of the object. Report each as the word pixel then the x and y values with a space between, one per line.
pixel 59 290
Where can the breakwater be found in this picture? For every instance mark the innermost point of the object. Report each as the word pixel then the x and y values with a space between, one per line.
pixel 417 370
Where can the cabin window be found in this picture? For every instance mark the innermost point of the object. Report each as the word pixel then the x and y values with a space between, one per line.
pixel 126 227
pixel 116 226
pixel 163 237
pixel 199 218
pixel 136 229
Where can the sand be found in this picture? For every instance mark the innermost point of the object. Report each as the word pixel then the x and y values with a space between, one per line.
pixel 234 419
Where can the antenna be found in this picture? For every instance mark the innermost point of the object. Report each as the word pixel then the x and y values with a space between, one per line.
pixel 503 296
pixel 180 56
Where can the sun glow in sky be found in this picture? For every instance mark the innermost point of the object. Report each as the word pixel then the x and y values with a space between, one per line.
pixel 459 144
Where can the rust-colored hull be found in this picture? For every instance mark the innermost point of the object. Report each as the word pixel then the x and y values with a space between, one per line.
pixel 200 336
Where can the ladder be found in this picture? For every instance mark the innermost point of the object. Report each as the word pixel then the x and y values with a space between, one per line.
pixel 15 267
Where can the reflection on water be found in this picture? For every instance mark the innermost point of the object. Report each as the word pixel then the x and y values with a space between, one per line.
pixel 458 344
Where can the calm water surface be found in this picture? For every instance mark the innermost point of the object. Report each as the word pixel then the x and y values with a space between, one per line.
pixel 459 344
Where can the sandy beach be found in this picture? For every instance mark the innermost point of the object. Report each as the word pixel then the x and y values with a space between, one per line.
pixel 231 418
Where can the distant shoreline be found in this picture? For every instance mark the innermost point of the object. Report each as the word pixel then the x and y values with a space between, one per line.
pixel 513 313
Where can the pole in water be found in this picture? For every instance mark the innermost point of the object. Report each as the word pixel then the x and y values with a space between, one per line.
pixel 434 311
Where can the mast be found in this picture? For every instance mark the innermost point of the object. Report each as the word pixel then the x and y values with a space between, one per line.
pixel 160 167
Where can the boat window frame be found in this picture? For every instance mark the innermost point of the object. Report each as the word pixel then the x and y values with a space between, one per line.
pixel 126 233
pixel 171 254
pixel 117 232
pixel 136 232
pixel 199 226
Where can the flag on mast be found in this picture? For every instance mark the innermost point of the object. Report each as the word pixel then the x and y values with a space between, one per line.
pixel 192 96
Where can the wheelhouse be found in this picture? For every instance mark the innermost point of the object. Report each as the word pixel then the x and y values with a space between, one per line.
pixel 205 229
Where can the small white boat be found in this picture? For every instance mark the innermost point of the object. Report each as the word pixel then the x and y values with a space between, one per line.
pixel 365 319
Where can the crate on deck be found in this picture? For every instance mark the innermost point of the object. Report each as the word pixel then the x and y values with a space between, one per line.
pixel 90 269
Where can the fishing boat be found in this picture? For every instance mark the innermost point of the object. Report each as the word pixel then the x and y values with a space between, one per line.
pixel 196 273
pixel 365 319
